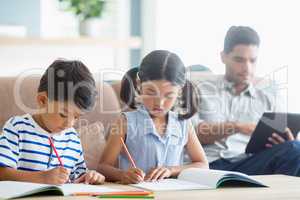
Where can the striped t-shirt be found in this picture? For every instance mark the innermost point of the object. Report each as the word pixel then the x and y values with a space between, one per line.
pixel 24 145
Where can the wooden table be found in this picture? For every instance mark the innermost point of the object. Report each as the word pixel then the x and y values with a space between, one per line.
pixel 280 187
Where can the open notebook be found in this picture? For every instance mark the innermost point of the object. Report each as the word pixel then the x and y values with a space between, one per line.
pixel 197 179
pixel 14 189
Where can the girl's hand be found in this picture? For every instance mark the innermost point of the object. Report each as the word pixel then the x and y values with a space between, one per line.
pixel 91 177
pixel 132 176
pixel 158 174
pixel 277 139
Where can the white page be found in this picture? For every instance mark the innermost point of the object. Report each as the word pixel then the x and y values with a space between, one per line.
pixel 11 189
pixel 170 184
pixel 71 188
pixel 205 176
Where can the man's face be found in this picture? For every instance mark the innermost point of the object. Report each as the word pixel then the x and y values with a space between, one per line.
pixel 240 63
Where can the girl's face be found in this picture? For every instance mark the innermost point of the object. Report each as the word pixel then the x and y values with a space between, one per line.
pixel 159 96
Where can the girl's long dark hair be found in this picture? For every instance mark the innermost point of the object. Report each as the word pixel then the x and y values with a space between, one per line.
pixel 161 65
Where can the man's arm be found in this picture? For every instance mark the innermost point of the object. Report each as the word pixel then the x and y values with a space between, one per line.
pixel 209 132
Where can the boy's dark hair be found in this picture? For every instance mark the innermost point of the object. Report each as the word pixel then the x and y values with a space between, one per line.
pixel 240 35
pixel 160 65
pixel 69 80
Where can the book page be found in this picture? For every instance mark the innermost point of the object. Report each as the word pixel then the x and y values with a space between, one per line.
pixel 170 184
pixel 206 177
pixel 13 189
pixel 72 188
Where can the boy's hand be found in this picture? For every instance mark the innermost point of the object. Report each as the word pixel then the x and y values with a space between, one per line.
pixel 158 173
pixel 91 177
pixel 132 176
pixel 56 176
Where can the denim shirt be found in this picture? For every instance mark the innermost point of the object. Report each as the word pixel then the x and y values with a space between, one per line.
pixel 149 149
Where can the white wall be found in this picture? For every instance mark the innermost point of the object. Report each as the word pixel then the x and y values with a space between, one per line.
pixel 195 29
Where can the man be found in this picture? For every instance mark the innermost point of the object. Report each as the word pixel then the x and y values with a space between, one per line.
pixel 230 108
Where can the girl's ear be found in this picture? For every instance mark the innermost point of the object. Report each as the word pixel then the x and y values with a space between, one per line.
pixel 138 86
pixel 42 99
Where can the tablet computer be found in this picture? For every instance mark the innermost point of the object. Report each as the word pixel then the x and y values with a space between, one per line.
pixel 269 123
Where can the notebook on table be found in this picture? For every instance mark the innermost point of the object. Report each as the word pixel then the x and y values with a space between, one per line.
pixel 14 189
pixel 201 179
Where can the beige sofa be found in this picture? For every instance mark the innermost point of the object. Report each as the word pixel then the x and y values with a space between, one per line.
pixel 18 97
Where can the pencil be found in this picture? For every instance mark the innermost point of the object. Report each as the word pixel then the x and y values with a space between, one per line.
pixel 127 153
pixel 55 151
pixel 126 197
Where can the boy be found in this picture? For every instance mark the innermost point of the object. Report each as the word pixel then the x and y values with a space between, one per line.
pixel 44 147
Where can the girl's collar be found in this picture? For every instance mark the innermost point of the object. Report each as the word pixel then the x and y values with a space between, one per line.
pixel 170 123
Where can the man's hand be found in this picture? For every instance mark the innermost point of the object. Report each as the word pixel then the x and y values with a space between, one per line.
pixel 245 128
pixel 277 139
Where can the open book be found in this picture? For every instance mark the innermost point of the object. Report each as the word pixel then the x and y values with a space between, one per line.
pixel 14 189
pixel 197 179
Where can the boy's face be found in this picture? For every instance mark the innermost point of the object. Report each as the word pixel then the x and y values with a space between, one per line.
pixel 57 115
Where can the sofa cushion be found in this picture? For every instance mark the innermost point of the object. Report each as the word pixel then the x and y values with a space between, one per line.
pixel 18 96
pixel 93 142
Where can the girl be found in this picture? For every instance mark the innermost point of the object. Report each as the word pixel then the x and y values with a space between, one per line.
pixel 155 136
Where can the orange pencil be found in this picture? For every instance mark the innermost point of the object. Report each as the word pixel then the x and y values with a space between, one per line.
pixel 128 154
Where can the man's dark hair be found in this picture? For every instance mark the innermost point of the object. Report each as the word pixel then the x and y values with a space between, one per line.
pixel 69 80
pixel 240 35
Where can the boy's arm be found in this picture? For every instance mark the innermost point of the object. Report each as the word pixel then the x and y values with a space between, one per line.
pixel 55 176
pixel 17 175
pixel 9 155
pixel 79 168
pixel 9 146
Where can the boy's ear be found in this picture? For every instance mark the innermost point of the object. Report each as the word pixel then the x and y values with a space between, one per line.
pixel 42 99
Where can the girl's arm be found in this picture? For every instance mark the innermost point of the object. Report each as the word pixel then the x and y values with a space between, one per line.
pixel 110 155
pixel 195 152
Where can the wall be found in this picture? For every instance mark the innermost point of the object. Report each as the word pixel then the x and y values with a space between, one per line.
pixel 20 12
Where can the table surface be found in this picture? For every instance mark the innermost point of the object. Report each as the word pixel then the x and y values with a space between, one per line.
pixel 280 187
